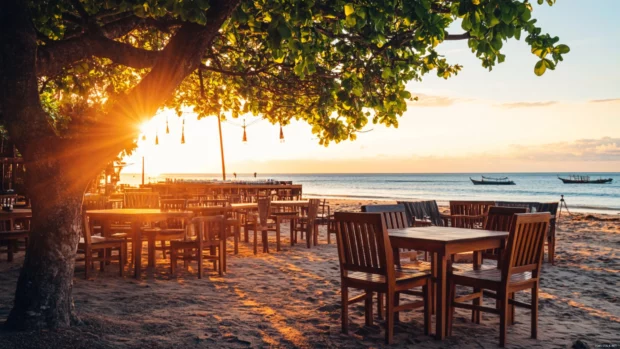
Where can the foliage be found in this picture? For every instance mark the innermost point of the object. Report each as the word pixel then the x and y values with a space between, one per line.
pixel 335 64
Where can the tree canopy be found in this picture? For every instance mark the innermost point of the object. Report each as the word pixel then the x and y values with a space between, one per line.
pixel 334 64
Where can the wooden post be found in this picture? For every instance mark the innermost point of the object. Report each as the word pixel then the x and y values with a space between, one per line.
pixel 219 126
pixel 143 170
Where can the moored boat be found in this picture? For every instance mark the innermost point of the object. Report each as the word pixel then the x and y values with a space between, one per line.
pixel 584 180
pixel 492 181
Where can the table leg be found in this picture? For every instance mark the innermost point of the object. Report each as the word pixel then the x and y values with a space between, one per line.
pixel 136 247
pixel 278 222
pixel 151 248
pixel 441 288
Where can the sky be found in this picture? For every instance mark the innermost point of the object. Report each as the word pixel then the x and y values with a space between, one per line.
pixel 507 120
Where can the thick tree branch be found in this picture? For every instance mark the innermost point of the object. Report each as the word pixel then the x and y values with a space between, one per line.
pixel 451 37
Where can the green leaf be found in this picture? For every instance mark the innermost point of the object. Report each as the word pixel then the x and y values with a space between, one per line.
pixel 349 9
pixel 540 68
pixel 562 49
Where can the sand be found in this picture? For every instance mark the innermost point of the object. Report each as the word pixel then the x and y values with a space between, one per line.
pixel 291 299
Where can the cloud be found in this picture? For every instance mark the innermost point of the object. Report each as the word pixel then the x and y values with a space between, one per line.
pixel 513 105
pixel 610 100
pixel 602 149
pixel 425 100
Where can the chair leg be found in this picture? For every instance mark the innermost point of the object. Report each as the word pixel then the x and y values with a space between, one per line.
pixel 265 236
pixel 428 304
pixel 389 318
pixel 368 308
pixel 534 312
pixel 222 259
pixel 344 309
pixel 380 306
pixel 87 262
pixel 236 238
pixel 476 314
pixel 101 254
pixel 173 261
pixel 511 310
pixel 450 304
pixel 396 304
pixel 199 259
pixel 551 249
pixel 255 241
pixel 163 248
pixel 503 318
pixel 121 257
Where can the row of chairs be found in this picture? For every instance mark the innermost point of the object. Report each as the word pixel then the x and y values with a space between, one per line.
pixel 367 263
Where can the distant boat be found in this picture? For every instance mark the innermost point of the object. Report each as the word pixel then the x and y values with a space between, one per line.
pixel 584 180
pixel 492 181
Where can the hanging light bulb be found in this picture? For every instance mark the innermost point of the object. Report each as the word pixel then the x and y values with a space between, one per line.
pixel 144 137
pixel 156 139
pixel 245 136
pixel 183 132
pixel 167 128
pixel 281 134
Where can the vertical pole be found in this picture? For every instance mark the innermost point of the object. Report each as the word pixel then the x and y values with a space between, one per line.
pixel 219 126
pixel 143 170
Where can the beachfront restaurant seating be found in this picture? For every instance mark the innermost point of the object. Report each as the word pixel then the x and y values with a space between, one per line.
pixel 520 270
pixel 376 273
pixel 207 242
pixel 423 211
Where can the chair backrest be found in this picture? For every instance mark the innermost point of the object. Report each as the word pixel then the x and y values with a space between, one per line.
pixel 525 247
pixel 173 205
pixel 86 232
pixel 551 207
pixel 500 218
pixel 313 208
pixel 94 202
pixel 209 229
pixel 393 215
pixel 423 210
pixel 532 206
pixel 470 208
pixel 141 200
pixel 6 200
pixel 264 209
pixel 363 244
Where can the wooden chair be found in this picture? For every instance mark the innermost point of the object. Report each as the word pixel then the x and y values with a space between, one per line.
pixel 206 243
pixel 171 229
pixel 141 200
pixel 90 244
pixel 367 263
pixel 324 217
pixel 530 205
pixel 307 224
pixel 499 219
pixel 552 208
pixel 394 215
pixel 468 214
pixel 520 270
pixel 261 221
pixel 424 210
pixel 12 238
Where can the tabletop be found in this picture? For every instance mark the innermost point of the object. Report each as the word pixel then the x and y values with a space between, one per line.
pixel 17 212
pixel 445 234
pixel 290 202
pixel 137 212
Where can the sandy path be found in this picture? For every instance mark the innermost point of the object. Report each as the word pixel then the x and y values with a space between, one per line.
pixel 291 299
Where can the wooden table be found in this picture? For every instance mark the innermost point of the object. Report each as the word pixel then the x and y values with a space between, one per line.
pixel 137 217
pixel 290 203
pixel 443 242
pixel 17 213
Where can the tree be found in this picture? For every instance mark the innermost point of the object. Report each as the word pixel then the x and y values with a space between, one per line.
pixel 78 76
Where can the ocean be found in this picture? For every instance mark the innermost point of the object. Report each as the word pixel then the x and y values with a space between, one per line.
pixel 443 187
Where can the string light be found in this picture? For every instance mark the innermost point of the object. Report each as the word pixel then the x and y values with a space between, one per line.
pixel 245 136
pixel 183 132
pixel 281 134
pixel 144 137
pixel 156 138
pixel 167 128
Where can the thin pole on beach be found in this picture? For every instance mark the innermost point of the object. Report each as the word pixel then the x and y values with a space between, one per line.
pixel 219 126
pixel 142 169
pixel 219 123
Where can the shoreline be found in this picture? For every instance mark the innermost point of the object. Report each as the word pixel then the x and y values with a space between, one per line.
pixel 445 204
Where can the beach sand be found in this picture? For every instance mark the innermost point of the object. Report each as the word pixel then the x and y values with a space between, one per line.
pixel 291 299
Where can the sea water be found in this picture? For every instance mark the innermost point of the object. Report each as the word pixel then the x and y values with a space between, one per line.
pixel 443 187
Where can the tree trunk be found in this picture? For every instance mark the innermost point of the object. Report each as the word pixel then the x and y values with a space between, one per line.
pixel 43 297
